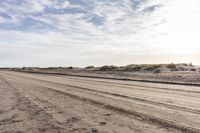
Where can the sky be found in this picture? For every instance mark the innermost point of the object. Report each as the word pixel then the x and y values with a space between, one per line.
pixel 98 32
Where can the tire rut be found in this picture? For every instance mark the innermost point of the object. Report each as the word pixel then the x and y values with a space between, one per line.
pixel 24 104
pixel 131 86
pixel 131 113
pixel 118 84
pixel 122 96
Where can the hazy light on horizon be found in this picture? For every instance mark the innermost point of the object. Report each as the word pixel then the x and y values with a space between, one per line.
pixel 98 32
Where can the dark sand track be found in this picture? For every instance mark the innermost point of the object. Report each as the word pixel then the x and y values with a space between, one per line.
pixel 65 104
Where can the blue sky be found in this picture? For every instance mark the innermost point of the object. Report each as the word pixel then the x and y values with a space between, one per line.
pixel 97 32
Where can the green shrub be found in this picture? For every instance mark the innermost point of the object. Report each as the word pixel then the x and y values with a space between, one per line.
pixel 106 68
pixel 51 68
pixel 133 68
pixel 193 69
pixel 190 64
pixel 151 67
pixel 181 68
pixel 70 67
pixel 89 67
pixel 182 64
pixel 157 70
pixel 171 66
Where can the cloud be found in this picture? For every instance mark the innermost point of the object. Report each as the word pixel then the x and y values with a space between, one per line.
pixel 81 32
pixel 98 15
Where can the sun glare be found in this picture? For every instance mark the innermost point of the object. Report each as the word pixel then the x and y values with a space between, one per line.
pixel 182 27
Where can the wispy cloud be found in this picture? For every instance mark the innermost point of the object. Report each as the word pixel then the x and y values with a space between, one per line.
pixel 81 32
